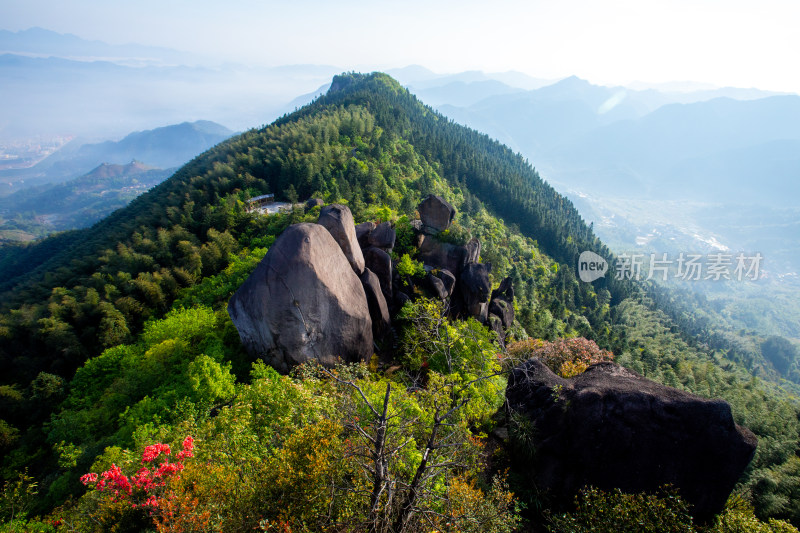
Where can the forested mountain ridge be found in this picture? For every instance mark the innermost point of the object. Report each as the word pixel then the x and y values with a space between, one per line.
pixel 141 295
pixel 559 230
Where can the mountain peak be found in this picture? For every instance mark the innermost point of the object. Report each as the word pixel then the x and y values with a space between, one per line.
pixel 572 82
pixel 112 170
pixel 354 81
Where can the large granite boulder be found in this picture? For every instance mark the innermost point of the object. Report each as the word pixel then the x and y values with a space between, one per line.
pixel 612 428
pixel 504 291
pixel 436 287
pixel 338 220
pixel 448 279
pixel 473 250
pixel 303 302
pixel 496 325
pixel 436 214
pixel 311 203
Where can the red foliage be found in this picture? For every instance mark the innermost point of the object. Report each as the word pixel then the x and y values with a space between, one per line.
pixel 141 489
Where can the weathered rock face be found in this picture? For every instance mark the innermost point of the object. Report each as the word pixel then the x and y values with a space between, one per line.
pixel 338 220
pixel 303 302
pixel 496 325
pixel 378 310
pixel 474 287
pixel 473 248
pixel 502 310
pixel 612 428
pixel 436 214
pixel 442 255
pixel 504 291
pixel 382 236
pixel 311 203
pixel 502 303
pixel 362 233
pixel 448 279
pixel 380 263
pixel 400 299
pixel 436 286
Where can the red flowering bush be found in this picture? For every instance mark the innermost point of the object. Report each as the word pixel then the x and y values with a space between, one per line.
pixel 145 488
pixel 565 357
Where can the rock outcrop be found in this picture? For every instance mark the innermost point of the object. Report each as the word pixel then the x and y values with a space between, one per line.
pixel 444 255
pixel 473 250
pixel 362 232
pixel 436 286
pixel 338 220
pixel 303 302
pixel 612 428
pixel 382 236
pixel 474 288
pixel 378 310
pixel 379 262
pixel 436 214
pixel 448 279
pixel 501 303
pixel 311 203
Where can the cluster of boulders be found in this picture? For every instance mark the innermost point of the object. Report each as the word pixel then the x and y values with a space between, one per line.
pixel 327 291
pixel 611 428
pixel 454 272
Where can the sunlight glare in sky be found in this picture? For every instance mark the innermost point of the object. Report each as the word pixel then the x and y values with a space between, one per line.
pixel 727 43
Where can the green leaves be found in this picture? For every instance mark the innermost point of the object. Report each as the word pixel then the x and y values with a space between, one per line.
pixel 177 357
pixel 616 512
pixel 409 267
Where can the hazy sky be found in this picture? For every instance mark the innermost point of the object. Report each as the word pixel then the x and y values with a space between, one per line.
pixel 731 42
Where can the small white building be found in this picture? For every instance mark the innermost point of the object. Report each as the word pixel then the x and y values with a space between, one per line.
pixel 258 203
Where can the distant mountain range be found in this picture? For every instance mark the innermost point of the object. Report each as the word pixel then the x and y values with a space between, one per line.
pixel 165 147
pixel 46 43
pixel 59 84
pixel 613 140
pixel 38 211
pixel 719 150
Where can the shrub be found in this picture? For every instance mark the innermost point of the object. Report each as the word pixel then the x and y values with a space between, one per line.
pixel 616 512
pixel 739 517
pixel 408 267
pixel 565 357
pixel 134 497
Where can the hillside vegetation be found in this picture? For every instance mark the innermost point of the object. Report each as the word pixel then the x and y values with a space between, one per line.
pixel 115 342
